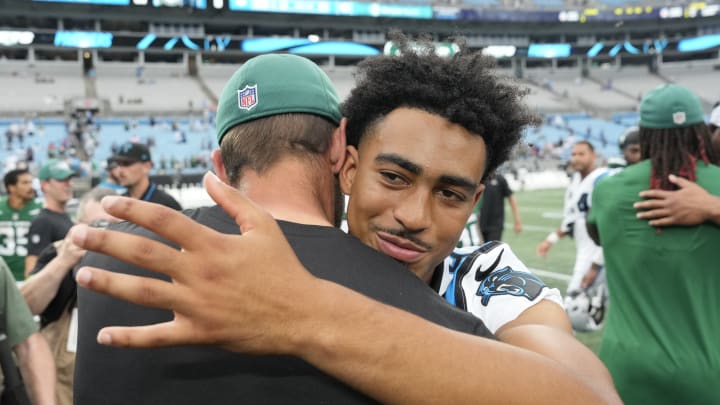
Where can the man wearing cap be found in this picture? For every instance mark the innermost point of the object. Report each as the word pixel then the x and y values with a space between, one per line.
pixel 111 179
pixel 17 210
pixel 134 163
pixel 630 145
pixel 660 339
pixel 283 96
pixel 52 223
pixel 690 204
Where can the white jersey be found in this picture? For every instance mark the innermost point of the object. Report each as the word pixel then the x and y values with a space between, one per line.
pixel 490 282
pixel 577 203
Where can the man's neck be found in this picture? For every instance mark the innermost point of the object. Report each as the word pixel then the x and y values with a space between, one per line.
pixel 138 190
pixel 16 202
pixel 54 205
pixel 292 191
pixel 585 173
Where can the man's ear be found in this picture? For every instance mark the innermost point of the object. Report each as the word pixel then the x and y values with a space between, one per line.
pixel 349 169
pixel 478 193
pixel 337 147
pixel 219 166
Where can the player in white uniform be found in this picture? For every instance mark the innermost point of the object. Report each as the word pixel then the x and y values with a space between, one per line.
pixel 577 204
pixel 490 282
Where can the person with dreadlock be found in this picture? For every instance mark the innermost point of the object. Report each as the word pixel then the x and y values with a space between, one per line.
pixel 660 340
pixel 690 204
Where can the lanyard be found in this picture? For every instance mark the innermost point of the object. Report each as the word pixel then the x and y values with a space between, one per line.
pixel 149 192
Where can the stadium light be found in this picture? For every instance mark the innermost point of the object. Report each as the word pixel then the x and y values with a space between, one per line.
pixel 11 38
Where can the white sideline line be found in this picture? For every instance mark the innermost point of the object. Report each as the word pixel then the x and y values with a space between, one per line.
pixel 551 274
pixel 529 228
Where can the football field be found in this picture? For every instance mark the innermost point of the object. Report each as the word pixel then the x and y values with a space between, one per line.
pixel 541 212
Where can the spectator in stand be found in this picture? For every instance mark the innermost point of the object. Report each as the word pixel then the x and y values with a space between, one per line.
pixel 52 223
pixel 134 163
pixel 17 210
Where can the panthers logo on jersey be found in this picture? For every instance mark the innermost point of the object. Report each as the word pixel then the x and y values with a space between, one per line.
pixel 471 276
pixel 507 281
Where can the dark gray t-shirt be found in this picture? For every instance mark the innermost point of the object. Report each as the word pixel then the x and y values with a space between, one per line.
pixel 206 375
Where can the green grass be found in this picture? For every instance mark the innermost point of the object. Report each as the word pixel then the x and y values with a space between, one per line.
pixel 540 212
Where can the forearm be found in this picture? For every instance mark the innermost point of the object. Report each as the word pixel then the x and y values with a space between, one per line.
pixel 381 351
pixel 42 287
pixel 37 368
pixel 514 209
pixel 30 261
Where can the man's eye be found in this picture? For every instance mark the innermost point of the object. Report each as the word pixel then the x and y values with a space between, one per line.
pixel 452 195
pixel 392 177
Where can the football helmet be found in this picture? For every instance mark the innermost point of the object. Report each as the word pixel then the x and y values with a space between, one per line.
pixel 586 308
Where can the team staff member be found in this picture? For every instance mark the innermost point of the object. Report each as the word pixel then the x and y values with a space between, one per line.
pixel 17 210
pixel 660 337
pixel 52 223
pixel 134 163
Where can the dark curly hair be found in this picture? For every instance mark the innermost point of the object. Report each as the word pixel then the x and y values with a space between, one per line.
pixel 465 89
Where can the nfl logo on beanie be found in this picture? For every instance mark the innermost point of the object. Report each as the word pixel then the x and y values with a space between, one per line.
pixel 670 106
pixel 247 97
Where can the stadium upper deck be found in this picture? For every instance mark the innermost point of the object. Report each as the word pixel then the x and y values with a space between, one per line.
pixel 131 56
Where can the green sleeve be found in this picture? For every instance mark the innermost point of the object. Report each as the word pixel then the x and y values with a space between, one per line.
pixel 19 321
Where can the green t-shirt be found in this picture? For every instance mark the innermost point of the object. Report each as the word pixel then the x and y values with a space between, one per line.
pixel 14 227
pixel 662 333
pixel 19 321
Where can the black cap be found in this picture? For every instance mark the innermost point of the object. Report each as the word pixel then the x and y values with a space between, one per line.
pixel 631 136
pixel 132 152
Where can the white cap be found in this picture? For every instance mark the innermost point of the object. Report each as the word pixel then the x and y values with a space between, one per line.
pixel 715 117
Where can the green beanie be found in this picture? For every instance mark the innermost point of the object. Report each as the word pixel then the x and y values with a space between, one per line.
pixel 276 84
